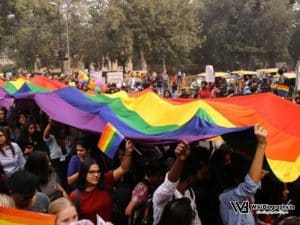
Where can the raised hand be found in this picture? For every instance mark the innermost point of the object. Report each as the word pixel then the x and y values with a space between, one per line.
pixel 261 134
pixel 182 150
pixel 129 147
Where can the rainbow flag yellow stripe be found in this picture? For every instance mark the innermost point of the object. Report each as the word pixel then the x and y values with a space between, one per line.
pixel 282 90
pixel 282 87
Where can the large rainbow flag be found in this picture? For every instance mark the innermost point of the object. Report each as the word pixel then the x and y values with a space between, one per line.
pixel 146 117
pixel 9 216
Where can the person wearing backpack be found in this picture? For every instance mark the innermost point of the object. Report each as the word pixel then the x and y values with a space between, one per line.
pixel 139 210
pixel 177 184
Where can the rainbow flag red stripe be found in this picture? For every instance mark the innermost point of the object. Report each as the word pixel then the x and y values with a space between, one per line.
pixel 110 140
pixel 9 216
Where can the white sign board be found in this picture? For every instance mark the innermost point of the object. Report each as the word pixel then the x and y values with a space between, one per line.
pixel 210 73
pixel 96 75
pixel 114 77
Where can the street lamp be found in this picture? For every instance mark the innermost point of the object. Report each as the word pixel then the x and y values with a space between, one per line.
pixel 61 54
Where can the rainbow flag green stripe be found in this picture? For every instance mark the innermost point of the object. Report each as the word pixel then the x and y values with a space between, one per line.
pixel 110 140
pixel 133 119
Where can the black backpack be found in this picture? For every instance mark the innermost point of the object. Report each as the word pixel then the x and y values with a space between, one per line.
pixel 142 214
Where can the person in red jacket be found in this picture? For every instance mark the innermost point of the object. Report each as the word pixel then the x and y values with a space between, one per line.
pixel 205 90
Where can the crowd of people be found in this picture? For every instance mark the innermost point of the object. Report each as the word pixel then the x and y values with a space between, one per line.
pixel 180 85
pixel 49 167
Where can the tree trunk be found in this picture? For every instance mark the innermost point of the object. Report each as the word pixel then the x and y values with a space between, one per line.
pixel 164 65
pixel 143 60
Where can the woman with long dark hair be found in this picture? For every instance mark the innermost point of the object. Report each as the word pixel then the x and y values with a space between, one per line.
pixel 38 164
pixel 31 139
pixel 61 144
pixel 11 156
pixel 93 194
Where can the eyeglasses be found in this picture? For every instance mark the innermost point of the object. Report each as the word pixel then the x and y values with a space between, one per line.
pixel 94 172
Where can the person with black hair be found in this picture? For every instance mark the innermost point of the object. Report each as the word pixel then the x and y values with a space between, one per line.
pixel 174 188
pixel 177 211
pixel 31 139
pixel 143 191
pixel 61 145
pixel 23 185
pixel 167 94
pixel 93 195
pixel 205 91
pixel 38 163
pixel 11 156
pixel 239 191
pixel 83 152
pixel 3 119
pixel 281 72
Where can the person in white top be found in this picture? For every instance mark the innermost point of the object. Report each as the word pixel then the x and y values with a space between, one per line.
pixel 11 155
pixel 172 188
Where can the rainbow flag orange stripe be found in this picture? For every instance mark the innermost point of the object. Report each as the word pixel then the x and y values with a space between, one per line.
pixel 10 216
pixel 110 140
pixel 282 90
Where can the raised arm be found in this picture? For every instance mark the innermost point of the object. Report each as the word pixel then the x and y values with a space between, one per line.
pixel 126 162
pixel 48 129
pixel 257 163
pixel 165 191
pixel 182 152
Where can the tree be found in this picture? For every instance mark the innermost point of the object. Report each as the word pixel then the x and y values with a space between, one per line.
pixel 294 45
pixel 150 30
pixel 33 35
pixel 245 32
pixel 7 12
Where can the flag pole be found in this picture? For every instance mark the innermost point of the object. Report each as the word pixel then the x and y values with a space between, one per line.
pixel 135 149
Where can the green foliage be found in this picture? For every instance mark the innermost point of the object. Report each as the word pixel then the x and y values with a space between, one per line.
pixel 229 34
pixel 241 32
pixel 160 29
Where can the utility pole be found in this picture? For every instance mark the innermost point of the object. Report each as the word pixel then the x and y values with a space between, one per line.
pixel 61 52
pixel 68 40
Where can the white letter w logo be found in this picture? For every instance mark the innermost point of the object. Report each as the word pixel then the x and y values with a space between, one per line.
pixel 240 207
